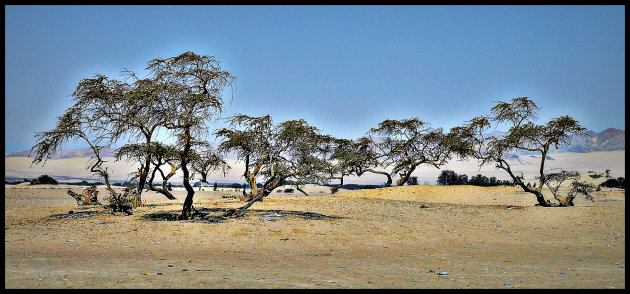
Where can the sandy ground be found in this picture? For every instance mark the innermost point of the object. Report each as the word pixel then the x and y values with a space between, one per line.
pixel 401 237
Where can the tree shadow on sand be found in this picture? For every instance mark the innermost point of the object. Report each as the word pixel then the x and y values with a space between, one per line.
pixel 215 215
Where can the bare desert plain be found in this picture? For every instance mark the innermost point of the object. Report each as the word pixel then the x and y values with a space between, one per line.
pixel 399 237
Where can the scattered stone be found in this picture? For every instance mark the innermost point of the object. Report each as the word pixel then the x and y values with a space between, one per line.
pixel 170 265
pixel 507 284
pixel 157 273
pixel 442 273
pixel 71 212
pixel 99 223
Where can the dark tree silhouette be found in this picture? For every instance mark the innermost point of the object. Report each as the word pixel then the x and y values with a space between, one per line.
pixel 447 177
pixel 43 180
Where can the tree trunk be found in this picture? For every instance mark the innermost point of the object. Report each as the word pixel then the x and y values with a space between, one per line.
pixel 88 197
pixel 187 208
pixel 405 176
pixel 389 177
pixel 262 193
pixel 239 211
pixel 335 188
pixel 300 189
pixel 565 201
pixel 164 190
pixel 145 171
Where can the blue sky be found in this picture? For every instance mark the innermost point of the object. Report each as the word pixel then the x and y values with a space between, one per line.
pixel 343 69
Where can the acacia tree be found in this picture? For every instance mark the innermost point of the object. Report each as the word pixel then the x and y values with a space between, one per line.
pixel 366 158
pixel 340 159
pixel 160 155
pixel 408 143
pixel 192 97
pixel 140 116
pixel 126 110
pixel 555 180
pixel 307 162
pixel 77 123
pixel 207 161
pixel 268 151
pixel 470 140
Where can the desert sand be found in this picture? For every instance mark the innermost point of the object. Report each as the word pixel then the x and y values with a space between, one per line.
pixel 398 237
pixel 75 169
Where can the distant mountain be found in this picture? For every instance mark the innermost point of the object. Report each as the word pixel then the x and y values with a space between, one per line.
pixel 62 154
pixel 610 139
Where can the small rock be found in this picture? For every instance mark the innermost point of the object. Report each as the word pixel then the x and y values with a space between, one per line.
pixel 170 265
pixel 71 212
pixel 442 273
pixel 507 284
pixel 99 223
pixel 159 274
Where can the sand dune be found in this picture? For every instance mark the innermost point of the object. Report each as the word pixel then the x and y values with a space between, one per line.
pixel 20 167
